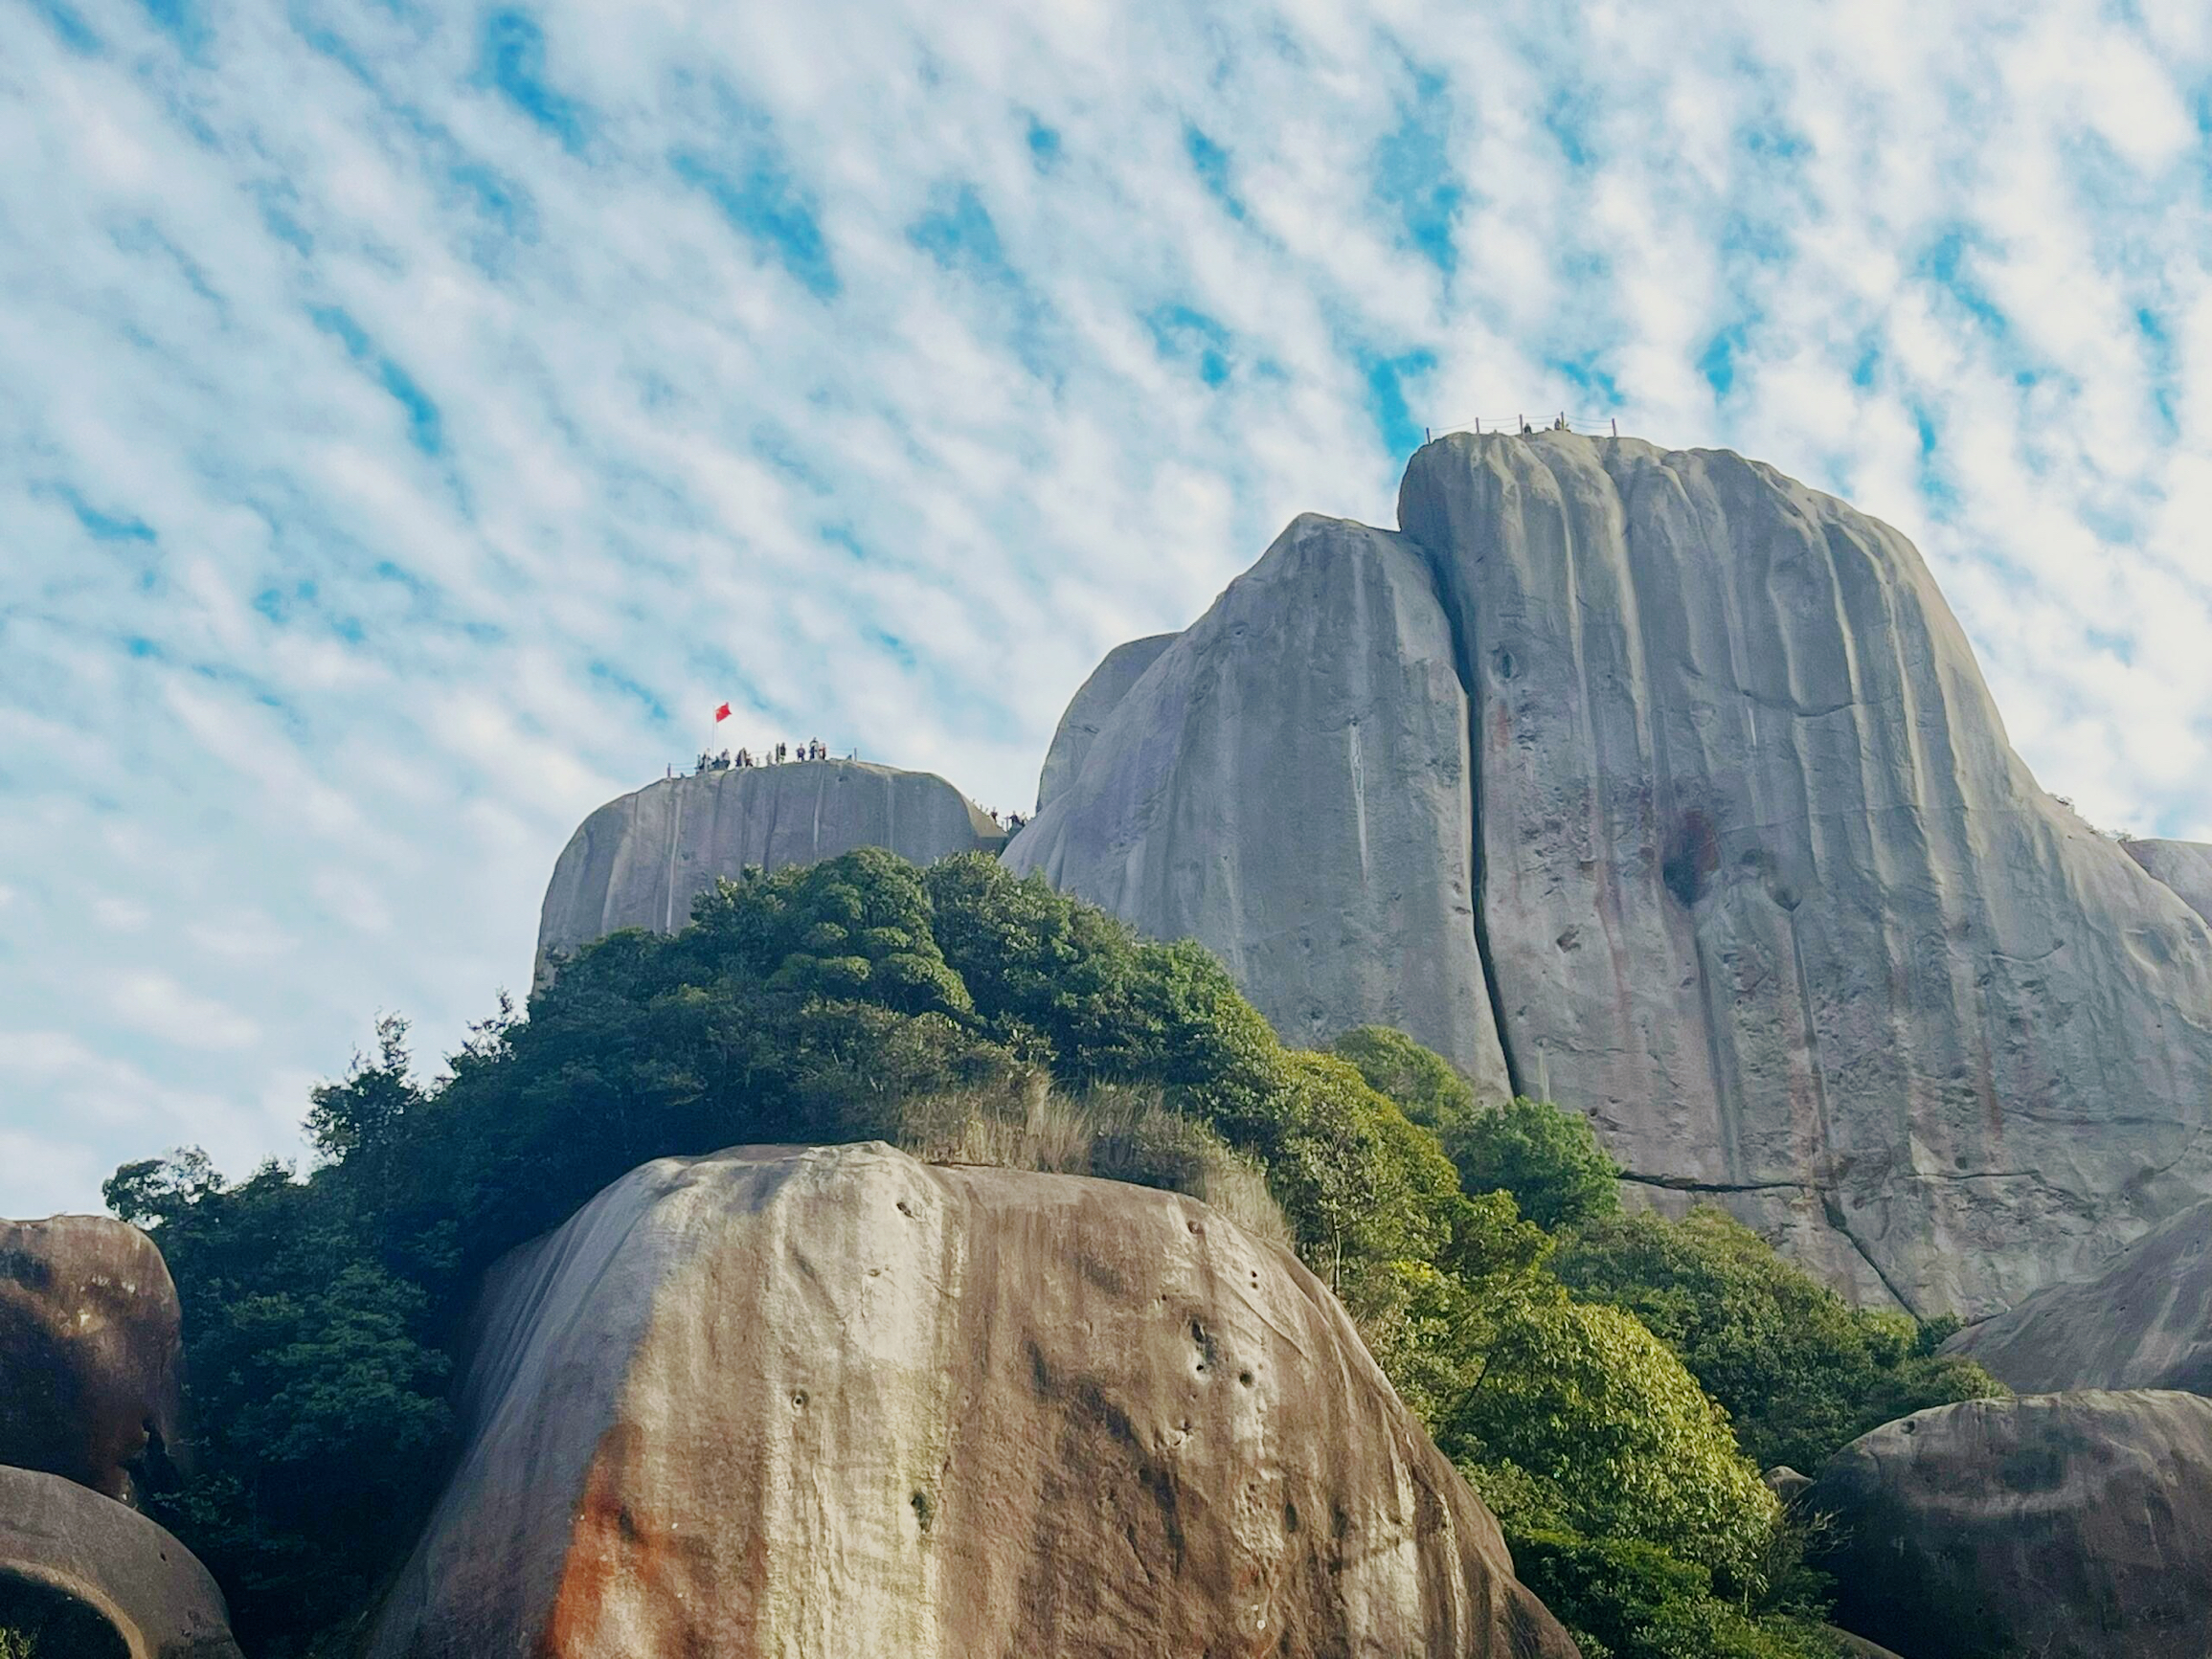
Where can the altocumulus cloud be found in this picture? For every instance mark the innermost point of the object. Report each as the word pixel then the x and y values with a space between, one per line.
pixel 418 418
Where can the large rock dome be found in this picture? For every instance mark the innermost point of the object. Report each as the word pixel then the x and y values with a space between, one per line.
pixel 831 1401
pixel 639 861
pixel 1729 852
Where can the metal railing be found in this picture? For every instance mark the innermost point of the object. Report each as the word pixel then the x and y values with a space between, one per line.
pixel 1591 425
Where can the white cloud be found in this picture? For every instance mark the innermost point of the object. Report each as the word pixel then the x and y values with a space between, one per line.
pixel 395 477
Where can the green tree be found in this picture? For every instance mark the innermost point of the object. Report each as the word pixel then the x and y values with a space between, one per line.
pixel 1801 1373
pixel 1424 1084
pixel 1549 1159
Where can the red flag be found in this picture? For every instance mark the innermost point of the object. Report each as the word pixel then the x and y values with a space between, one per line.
pixel 721 714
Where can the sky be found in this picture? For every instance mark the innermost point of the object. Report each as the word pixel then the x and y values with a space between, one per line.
pixel 415 419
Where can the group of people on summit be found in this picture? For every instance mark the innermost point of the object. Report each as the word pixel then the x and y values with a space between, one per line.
pixel 814 748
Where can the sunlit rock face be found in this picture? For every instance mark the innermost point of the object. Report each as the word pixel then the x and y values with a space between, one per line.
pixel 824 1403
pixel 1095 700
pixel 639 861
pixel 91 1351
pixel 1288 783
pixel 1757 881
pixel 2145 1322
pixel 2184 866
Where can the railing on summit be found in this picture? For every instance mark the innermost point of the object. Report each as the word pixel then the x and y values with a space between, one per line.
pixel 1589 425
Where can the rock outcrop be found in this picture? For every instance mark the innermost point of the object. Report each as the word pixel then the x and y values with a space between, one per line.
pixel 639 861
pixel 1094 701
pixel 91 1351
pixel 1288 783
pixel 2069 1526
pixel 818 1402
pixel 1761 886
pixel 2144 1323
pixel 121 1570
pixel 2185 866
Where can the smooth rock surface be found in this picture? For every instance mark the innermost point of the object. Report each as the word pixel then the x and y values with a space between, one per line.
pixel 1095 699
pixel 2067 1526
pixel 1770 896
pixel 639 861
pixel 1288 783
pixel 91 1351
pixel 830 1402
pixel 2184 866
pixel 2146 1322
pixel 112 1559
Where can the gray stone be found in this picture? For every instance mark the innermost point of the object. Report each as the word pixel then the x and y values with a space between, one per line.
pixel 1768 895
pixel 2144 1323
pixel 1094 701
pixel 2184 866
pixel 831 1402
pixel 91 1351
pixel 639 861
pixel 2069 1526
pixel 112 1562
pixel 1288 784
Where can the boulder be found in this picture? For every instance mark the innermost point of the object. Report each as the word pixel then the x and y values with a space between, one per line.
pixel 91 1351
pixel 115 1572
pixel 2184 866
pixel 1760 885
pixel 820 1403
pixel 639 861
pixel 2146 1322
pixel 1288 784
pixel 1094 701
pixel 2069 1526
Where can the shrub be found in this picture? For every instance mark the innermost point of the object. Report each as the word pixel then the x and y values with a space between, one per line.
pixel 1549 1159
pixel 1424 1084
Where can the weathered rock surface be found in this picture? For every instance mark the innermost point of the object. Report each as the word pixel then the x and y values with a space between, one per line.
pixel 1094 701
pixel 639 861
pixel 2069 1526
pixel 147 1587
pixel 2145 1323
pixel 1762 886
pixel 91 1351
pixel 2185 866
pixel 1288 783
pixel 827 1403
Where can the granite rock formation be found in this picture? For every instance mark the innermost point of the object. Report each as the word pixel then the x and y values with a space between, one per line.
pixel 2185 866
pixel 2146 1322
pixel 1094 701
pixel 1288 783
pixel 123 1570
pixel 2069 1526
pixel 91 1351
pixel 817 1403
pixel 1761 886
pixel 639 861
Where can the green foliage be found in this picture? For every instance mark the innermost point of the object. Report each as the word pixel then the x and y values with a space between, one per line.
pixel 1424 1084
pixel 1801 1373
pixel 1549 1159
pixel 1591 1406
pixel 1624 1599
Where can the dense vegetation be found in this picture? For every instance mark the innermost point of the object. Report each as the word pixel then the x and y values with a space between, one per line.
pixel 963 1012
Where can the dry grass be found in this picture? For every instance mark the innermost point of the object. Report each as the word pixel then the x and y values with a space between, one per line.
pixel 1122 1135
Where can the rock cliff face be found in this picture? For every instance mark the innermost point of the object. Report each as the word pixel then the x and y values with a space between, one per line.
pixel 127 1578
pixel 2185 866
pixel 820 1403
pixel 91 1351
pixel 1288 783
pixel 2145 1323
pixel 1094 701
pixel 2069 1526
pixel 639 861
pixel 1761 886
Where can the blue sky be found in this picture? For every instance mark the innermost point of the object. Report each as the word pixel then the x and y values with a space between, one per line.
pixel 415 420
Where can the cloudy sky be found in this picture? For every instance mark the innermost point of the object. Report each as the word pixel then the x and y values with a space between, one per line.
pixel 414 419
